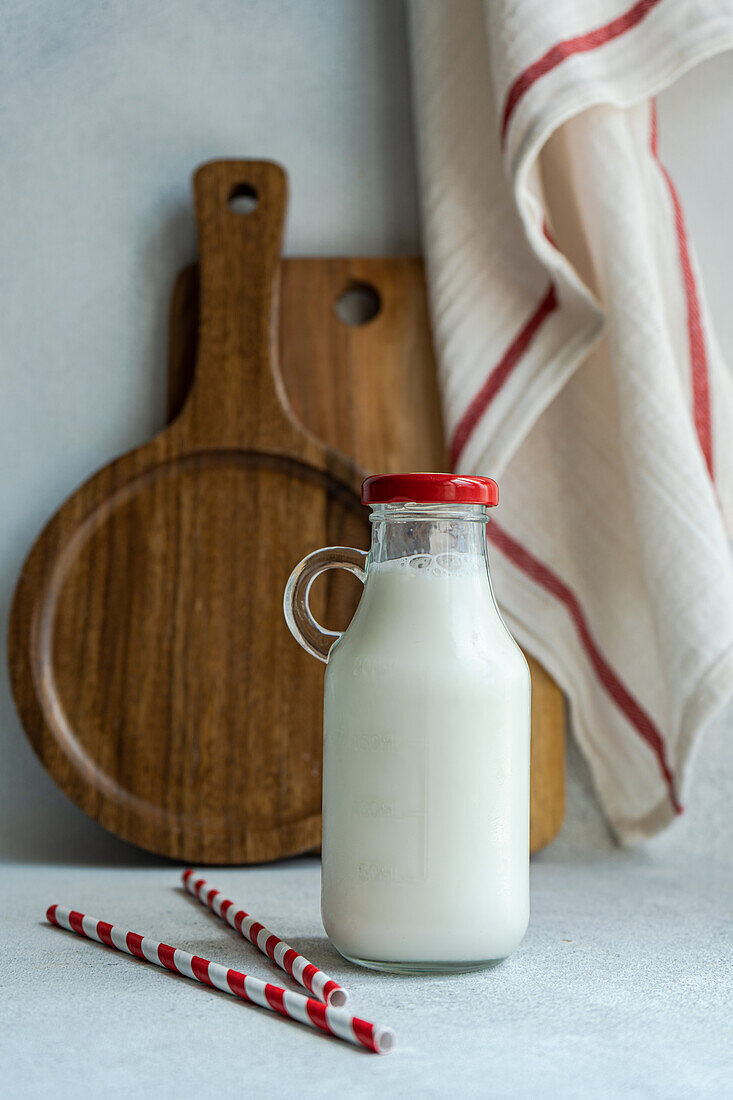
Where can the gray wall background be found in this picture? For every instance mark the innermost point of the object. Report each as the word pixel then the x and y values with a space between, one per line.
pixel 104 111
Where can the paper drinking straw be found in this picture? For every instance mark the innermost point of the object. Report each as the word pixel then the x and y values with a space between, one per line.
pixel 286 957
pixel 305 1010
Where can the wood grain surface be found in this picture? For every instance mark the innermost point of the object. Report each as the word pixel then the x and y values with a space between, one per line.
pixel 370 390
pixel 149 659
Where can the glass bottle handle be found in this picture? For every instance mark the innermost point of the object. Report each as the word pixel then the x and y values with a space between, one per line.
pixel 304 628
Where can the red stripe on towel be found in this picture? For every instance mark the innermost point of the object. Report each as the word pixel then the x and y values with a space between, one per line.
pixel 695 336
pixel 544 576
pixel 499 375
pixel 558 53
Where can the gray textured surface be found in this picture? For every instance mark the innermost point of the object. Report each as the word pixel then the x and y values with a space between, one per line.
pixel 620 989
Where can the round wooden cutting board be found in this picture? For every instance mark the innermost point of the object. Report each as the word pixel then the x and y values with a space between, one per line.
pixel 150 662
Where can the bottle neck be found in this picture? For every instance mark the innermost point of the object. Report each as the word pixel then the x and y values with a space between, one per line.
pixel 449 537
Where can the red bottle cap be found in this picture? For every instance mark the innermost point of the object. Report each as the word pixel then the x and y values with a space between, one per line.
pixel 429 489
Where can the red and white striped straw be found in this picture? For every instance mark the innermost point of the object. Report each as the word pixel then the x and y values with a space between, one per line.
pixel 305 1010
pixel 286 957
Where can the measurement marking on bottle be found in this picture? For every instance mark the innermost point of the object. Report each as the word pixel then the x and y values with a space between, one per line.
pixel 374 807
pixel 373 742
pixel 375 872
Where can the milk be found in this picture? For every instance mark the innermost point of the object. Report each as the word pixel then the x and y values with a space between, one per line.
pixel 426 772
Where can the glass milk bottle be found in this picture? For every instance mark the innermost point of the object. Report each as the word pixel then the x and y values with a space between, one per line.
pixel 426 737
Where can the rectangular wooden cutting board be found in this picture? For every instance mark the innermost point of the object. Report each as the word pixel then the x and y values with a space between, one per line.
pixel 369 390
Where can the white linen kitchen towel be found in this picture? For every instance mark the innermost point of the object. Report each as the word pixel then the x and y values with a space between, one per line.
pixel 577 362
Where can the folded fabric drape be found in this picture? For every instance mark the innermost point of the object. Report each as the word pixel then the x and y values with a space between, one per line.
pixel 578 363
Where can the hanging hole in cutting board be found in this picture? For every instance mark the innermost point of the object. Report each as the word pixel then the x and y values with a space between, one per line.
pixel 242 198
pixel 358 304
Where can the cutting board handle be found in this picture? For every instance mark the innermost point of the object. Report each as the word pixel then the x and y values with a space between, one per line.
pixel 237 397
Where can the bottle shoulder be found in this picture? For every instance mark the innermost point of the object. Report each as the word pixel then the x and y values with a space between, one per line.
pixel 407 618
pixel 487 651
